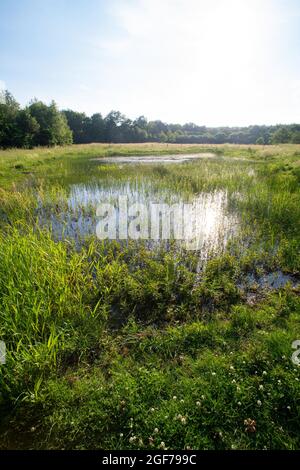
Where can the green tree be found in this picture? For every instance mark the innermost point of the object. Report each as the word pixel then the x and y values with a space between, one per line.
pixel 260 141
pixel 26 128
pixel 281 136
pixel 295 139
pixel 9 109
pixel 79 124
pixel 53 126
pixel 96 128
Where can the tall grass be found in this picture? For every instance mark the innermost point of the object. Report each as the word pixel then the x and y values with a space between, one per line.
pixel 119 346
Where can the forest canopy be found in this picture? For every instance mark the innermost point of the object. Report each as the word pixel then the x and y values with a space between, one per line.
pixel 39 124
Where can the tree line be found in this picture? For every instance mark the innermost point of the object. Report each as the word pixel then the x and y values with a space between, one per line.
pixel 39 124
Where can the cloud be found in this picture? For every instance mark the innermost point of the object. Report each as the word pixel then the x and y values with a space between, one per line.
pixel 203 60
pixel 207 61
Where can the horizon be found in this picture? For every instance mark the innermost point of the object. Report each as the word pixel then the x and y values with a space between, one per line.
pixel 213 64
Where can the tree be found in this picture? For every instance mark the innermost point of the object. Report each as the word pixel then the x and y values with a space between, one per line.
pixel 79 125
pixel 53 126
pixel 96 128
pixel 295 137
pixel 9 109
pixel 26 128
pixel 112 123
pixel 281 136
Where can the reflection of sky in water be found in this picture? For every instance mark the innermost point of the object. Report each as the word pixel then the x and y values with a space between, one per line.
pixel 205 220
pixel 170 158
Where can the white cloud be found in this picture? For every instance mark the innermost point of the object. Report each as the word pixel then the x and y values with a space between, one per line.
pixel 208 61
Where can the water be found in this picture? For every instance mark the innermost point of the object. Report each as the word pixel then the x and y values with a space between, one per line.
pixel 172 158
pixel 202 222
pixel 157 214
pixel 255 286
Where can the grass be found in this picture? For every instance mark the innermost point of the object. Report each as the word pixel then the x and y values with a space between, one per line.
pixel 118 346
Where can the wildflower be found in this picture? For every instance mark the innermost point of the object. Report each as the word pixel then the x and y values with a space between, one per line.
pixel 233 381
pixel 155 431
pixel 121 434
pixel 132 439
pixel 231 368
pixel 123 403
pixel 288 408
pixel 261 387
pixel 152 409
pixel 239 403
pixel 181 401
pixel 183 420
pixel 203 397
pixel 264 372
pixel 174 398
pixel 162 445
pixel 32 429
pixel 279 381
pixel 259 402
pixel 151 441
pixel 213 373
pixel 238 389
pixel 250 425
pixel 198 403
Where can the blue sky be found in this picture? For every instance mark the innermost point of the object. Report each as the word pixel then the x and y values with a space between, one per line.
pixel 213 62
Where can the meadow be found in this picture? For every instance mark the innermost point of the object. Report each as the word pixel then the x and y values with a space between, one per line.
pixel 114 345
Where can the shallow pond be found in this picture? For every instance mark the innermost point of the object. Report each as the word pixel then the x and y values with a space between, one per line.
pixel 141 212
pixel 142 203
pixel 171 158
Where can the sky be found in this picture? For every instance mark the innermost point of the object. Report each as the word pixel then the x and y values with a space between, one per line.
pixel 212 62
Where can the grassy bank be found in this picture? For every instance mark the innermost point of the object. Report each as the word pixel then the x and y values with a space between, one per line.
pixel 124 347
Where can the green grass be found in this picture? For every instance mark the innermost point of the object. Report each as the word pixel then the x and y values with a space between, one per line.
pixel 120 347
